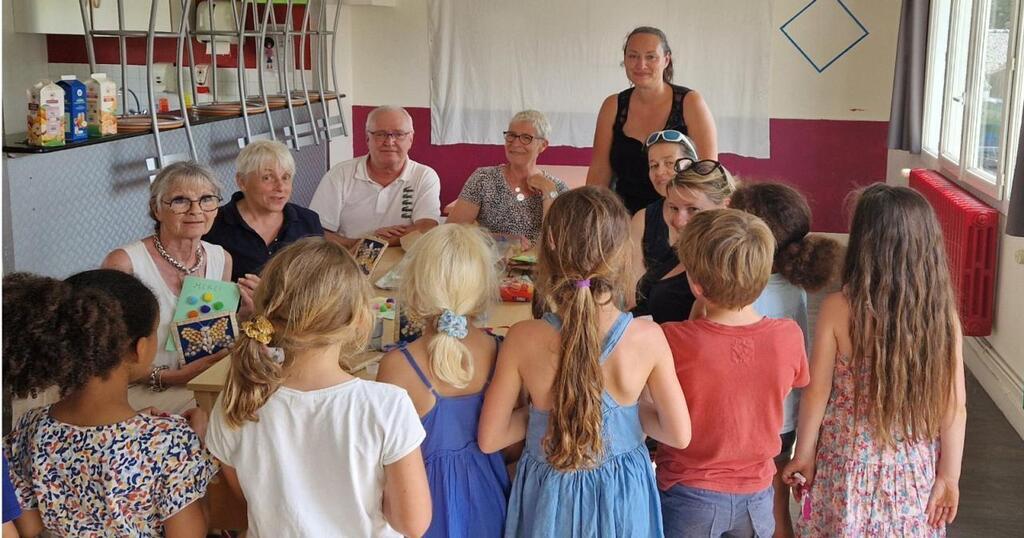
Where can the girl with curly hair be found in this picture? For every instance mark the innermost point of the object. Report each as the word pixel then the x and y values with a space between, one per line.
pixel 90 463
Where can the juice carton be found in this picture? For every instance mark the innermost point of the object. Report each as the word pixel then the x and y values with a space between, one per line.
pixel 74 108
pixel 102 106
pixel 46 114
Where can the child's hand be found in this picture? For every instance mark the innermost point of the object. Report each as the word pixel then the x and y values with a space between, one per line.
pixel 943 502
pixel 799 475
pixel 197 419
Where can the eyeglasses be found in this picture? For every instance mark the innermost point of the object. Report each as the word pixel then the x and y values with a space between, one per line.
pixel 181 204
pixel 704 168
pixel 382 136
pixel 526 139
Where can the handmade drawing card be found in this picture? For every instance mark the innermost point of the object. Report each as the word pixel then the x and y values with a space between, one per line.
pixel 200 337
pixel 201 297
pixel 408 328
pixel 368 253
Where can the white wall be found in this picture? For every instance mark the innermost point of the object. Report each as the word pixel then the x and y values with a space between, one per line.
pixel 391 63
pixel 24 64
pixel 996 360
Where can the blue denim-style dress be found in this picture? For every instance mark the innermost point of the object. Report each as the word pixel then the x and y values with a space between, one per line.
pixel 617 498
pixel 468 488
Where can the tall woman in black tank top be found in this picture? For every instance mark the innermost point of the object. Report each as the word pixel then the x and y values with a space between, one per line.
pixel 652 104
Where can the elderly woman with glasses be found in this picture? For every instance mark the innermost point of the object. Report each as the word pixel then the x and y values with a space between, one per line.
pixel 511 199
pixel 651 103
pixel 183 201
pixel 260 219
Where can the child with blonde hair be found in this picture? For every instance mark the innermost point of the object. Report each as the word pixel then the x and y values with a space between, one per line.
pixel 313 450
pixel 803 263
pixel 736 368
pixel 881 432
pixel 449 282
pixel 585 470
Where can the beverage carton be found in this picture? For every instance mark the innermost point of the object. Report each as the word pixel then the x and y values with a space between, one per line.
pixel 102 106
pixel 46 114
pixel 75 126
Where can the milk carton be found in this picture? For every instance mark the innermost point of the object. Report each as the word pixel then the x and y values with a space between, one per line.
pixel 102 105
pixel 75 126
pixel 46 114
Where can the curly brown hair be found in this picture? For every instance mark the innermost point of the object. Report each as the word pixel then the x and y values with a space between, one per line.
pixel 806 261
pixel 64 333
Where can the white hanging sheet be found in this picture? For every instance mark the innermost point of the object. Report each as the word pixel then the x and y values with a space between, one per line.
pixel 491 58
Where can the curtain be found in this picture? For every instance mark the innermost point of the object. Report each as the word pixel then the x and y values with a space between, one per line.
pixel 906 116
pixel 1015 216
pixel 489 59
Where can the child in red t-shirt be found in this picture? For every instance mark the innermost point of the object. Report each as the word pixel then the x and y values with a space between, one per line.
pixel 736 368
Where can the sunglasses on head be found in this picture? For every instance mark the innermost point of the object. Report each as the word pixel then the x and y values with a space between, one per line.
pixel 703 168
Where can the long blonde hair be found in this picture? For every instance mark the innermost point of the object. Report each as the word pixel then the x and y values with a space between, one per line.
pixel 903 318
pixel 451 267
pixel 314 295
pixel 584 237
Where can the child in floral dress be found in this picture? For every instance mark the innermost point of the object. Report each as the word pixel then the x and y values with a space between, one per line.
pixel 885 408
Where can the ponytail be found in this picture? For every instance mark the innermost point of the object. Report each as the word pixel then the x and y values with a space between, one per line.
pixel 810 263
pixel 574 439
pixel 254 376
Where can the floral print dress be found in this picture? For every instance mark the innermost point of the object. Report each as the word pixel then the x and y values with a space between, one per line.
pixel 121 479
pixel 862 488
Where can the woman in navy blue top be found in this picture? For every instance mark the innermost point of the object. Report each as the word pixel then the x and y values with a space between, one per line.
pixel 652 104
pixel 259 220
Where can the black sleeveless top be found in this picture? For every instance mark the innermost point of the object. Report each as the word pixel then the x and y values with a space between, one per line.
pixel 654 243
pixel 628 160
pixel 665 300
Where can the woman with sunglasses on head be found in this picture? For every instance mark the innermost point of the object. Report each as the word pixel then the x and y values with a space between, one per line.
pixel 652 103
pixel 183 202
pixel 511 199
pixel 652 239
pixel 663 291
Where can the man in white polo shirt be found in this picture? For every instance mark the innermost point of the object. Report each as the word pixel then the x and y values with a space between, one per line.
pixel 384 193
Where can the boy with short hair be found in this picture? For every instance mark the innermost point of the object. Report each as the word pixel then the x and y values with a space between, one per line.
pixel 736 368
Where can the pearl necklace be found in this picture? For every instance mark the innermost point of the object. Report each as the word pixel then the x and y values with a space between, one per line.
pixel 175 263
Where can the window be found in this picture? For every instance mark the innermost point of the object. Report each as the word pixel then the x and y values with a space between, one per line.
pixel 973 98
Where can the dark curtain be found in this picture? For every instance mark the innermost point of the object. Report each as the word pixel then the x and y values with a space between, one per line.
pixel 1015 216
pixel 906 116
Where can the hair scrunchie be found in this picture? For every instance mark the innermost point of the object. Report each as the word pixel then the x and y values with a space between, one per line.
pixel 453 324
pixel 259 329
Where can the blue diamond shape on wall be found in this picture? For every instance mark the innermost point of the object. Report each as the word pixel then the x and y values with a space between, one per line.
pixel 823 31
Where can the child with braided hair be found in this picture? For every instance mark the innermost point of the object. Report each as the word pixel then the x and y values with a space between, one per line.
pixel 449 281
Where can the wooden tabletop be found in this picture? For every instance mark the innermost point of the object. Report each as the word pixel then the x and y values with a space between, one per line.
pixel 207 384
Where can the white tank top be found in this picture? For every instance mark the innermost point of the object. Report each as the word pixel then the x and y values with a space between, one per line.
pixel 144 268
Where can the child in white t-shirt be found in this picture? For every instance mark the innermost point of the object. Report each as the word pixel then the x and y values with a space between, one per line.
pixel 315 451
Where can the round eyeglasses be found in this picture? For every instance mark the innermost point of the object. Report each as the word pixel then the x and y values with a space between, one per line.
pixel 525 139
pixel 703 168
pixel 182 204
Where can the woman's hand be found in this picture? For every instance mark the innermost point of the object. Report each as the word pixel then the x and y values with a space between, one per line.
pixel 247 290
pixel 540 184
pixel 806 469
pixel 185 374
pixel 943 502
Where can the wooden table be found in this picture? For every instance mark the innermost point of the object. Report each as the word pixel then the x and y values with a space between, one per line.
pixel 208 384
pixel 228 511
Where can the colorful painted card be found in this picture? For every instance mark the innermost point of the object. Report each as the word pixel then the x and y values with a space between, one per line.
pixel 201 297
pixel 368 253
pixel 200 337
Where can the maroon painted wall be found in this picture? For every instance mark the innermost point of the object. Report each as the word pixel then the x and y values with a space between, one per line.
pixel 824 159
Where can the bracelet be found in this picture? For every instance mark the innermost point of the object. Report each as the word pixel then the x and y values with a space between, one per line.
pixel 156 379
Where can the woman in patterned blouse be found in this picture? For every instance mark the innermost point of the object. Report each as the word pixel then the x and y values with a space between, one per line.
pixel 511 199
pixel 90 464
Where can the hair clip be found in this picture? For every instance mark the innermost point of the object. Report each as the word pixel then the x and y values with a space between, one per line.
pixel 453 324
pixel 585 283
pixel 258 328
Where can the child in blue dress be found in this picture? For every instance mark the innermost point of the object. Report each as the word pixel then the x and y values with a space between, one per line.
pixel 450 281
pixel 585 470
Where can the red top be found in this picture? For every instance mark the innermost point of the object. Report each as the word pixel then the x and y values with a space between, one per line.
pixel 735 380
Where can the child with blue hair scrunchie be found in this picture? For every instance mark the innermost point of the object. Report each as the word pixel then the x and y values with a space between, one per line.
pixel 449 278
